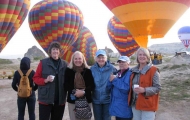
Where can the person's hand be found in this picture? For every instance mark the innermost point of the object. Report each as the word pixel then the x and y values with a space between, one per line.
pixel 139 90
pixel 112 77
pixel 48 79
pixel 79 93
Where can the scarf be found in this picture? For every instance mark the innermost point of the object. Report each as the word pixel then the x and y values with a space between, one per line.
pixel 78 80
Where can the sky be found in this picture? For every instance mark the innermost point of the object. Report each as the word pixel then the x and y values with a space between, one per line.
pixel 96 17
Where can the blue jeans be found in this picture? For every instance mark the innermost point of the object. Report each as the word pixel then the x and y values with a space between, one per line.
pixel 101 111
pixel 118 118
pixel 21 103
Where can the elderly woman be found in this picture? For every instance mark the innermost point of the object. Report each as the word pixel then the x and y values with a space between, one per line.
pixel 79 82
pixel 145 87
pixel 101 72
pixel 120 86
pixel 49 77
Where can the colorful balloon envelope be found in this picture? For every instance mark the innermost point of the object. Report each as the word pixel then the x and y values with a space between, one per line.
pixel 145 18
pixel 12 15
pixel 55 20
pixel 121 37
pixel 184 35
pixel 85 44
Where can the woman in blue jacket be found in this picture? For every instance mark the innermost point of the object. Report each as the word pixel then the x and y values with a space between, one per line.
pixel 120 85
pixel 101 72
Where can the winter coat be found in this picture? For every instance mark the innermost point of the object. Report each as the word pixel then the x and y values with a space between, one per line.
pixel 101 95
pixel 149 79
pixel 120 87
pixel 46 91
pixel 69 83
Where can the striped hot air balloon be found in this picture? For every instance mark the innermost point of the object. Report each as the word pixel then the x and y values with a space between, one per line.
pixel 184 35
pixel 55 20
pixel 145 18
pixel 85 44
pixel 121 37
pixel 12 15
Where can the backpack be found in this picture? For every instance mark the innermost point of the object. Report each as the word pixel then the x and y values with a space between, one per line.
pixel 24 89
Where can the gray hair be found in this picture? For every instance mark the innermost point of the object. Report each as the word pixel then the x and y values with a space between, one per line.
pixel 146 52
pixel 95 58
pixel 71 64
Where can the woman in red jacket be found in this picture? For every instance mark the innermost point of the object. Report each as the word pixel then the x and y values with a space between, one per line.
pixel 51 94
pixel 145 87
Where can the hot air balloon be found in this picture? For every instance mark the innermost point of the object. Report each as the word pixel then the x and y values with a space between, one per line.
pixel 55 20
pixel 12 15
pixel 184 35
pixel 85 44
pixel 121 37
pixel 145 18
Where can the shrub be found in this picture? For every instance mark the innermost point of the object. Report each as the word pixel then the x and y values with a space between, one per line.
pixel 38 58
pixel 175 66
pixel 10 77
pixel 5 61
pixel 90 61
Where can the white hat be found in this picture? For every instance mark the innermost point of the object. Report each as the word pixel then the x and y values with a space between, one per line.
pixel 124 58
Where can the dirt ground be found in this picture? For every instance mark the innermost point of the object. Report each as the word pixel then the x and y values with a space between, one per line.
pixel 8 103
pixel 168 110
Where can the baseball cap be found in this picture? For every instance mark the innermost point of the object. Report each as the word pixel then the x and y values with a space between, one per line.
pixel 124 58
pixel 100 52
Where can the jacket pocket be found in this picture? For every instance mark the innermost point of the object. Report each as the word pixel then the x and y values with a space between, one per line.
pixel 43 92
pixel 146 102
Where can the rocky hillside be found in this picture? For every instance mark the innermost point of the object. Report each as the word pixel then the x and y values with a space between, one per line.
pixel 34 53
pixel 168 48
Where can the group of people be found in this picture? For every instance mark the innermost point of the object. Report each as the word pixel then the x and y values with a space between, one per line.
pixel 156 58
pixel 127 93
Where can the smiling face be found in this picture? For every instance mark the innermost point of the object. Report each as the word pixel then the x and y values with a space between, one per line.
pixel 101 60
pixel 142 57
pixel 55 52
pixel 78 60
pixel 123 65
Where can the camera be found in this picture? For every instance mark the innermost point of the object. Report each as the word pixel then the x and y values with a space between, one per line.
pixel 72 95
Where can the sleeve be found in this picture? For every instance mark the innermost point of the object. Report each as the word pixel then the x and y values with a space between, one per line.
pixel 114 71
pixel 109 85
pixel 15 81
pixel 66 83
pixel 121 83
pixel 35 86
pixel 149 91
pixel 90 84
pixel 38 75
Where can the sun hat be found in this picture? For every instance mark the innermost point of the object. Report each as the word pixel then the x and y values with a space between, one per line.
pixel 100 52
pixel 124 58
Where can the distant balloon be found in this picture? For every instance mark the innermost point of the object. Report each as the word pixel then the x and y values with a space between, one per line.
pixel 184 35
pixel 145 18
pixel 121 37
pixel 12 15
pixel 55 20
pixel 85 44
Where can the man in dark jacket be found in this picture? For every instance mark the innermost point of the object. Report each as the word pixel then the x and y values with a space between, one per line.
pixel 31 100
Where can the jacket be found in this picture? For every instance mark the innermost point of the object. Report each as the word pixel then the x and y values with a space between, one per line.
pixel 148 78
pixel 101 95
pixel 46 91
pixel 24 67
pixel 69 83
pixel 120 87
